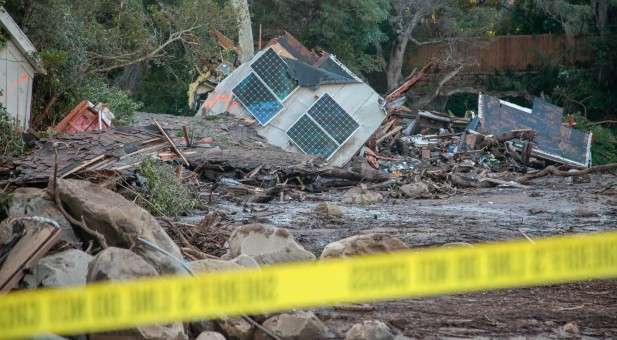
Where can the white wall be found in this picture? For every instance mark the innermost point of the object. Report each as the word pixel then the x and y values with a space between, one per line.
pixel 16 76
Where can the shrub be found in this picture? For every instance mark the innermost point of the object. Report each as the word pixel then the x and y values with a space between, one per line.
pixel 119 101
pixel 11 142
pixel 163 192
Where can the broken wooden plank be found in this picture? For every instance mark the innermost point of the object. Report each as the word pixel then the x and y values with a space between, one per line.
pixel 173 146
pixel 26 253
pixel 255 171
pixel 393 131
pixel 186 136
pixel 83 165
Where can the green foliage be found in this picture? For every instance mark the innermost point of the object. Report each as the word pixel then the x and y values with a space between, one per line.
pixel 347 29
pixel 526 18
pixel 119 101
pixel 164 194
pixel 12 143
pixel 604 146
pixel 120 43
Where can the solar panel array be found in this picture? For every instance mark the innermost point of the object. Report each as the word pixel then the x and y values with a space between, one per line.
pixel 257 98
pixel 323 128
pixel 273 71
pixel 310 138
pixel 333 118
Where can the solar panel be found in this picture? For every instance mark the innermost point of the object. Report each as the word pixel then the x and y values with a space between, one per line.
pixel 333 118
pixel 273 71
pixel 310 138
pixel 257 98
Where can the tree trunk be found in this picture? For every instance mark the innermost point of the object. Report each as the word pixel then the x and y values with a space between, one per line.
pixel 395 65
pixel 600 10
pixel 419 104
pixel 245 33
pixel 45 111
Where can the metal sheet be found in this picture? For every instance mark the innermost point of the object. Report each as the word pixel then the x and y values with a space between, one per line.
pixel 565 145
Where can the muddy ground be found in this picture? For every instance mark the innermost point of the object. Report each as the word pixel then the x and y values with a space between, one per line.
pixel 551 206
pixel 483 215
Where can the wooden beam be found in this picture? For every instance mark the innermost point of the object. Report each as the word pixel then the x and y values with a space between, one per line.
pixel 83 165
pixel 393 131
pixel 173 146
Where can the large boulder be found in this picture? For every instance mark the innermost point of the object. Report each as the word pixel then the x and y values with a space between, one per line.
pixel 361 196
pixel 119 220
pixel 369 330
pixel 234 328
pixel 363 244
pixel 212 265
pixel 67 268
pixel 35 202
pixel 298 325
pixel 266 244
pixel 116 264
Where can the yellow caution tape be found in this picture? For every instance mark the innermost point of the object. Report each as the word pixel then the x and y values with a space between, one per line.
pixel 121 305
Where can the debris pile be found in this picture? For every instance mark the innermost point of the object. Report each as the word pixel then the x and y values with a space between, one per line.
pixel 504 144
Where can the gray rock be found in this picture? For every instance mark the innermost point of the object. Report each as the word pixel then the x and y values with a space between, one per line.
pixel 363 244
pixel 173 331
pixel 369 330
pixel 120 221
pixel 361 196
pixel 67 268
pixel 201 326
pixel 234 328
pixel 328 209
pixel 245 261
pixel 210 336
pixel 293 326
pixel 116 264
pixel 416 190
pixel 212 265
pixel 36 202
pixel 266 244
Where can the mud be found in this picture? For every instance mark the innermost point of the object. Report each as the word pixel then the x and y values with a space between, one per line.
pixel 551 206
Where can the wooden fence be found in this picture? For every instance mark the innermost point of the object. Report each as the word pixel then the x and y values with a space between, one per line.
pixel 516 52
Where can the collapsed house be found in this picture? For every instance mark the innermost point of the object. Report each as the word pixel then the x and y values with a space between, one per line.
pixel 554 142
pixel 301 101
pixel 86 117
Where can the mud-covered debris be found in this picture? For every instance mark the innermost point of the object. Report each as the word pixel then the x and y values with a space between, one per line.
pixel 328 209
pixel 370 330
pixel 267 244
pixel 294 325
pixel 584 211
pixel 363 244
pixel 360 195
pixel 416 190
pixel 234 328
pixel 536 211
pixel 571 328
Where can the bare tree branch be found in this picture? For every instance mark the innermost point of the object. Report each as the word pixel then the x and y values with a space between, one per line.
pixel 154 54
